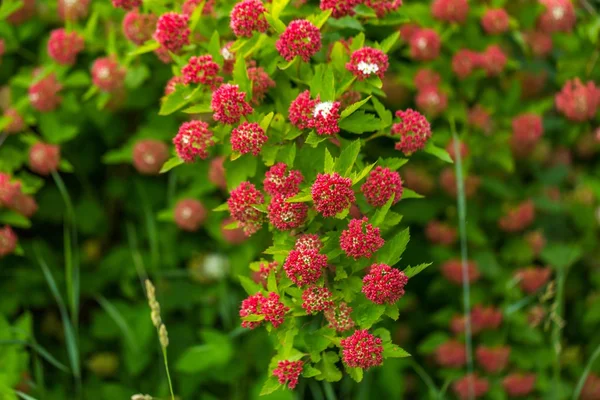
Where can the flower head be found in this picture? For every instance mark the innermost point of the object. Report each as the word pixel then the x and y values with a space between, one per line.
pixel 248 16
pixel 107 74
pixel 519 384
pixel 261 83
pixel 425 78
pixel 305 267
pixel 241 201
pixel 383 7
pixel 229 59
pixel 495 21
pixel 366 62
pixel 202 70
pixel 149 155
pixel 138 28
pixel 281 180
pixel 193 140
pixel 384 284
pixel 301 110
pixel 414 131
pixel 518 218
pixel 43 95
pixel 44 158
pixel 492 359
pixel 172 31
pixel 126 4
pixel 16 123
pixel 301 38
pixel 532 279
pixel 539 42
pixel 440 233
pixel 325 117
pixel 361 239
pixel 448 182
pixel 316 299
pixel 286 216
pixel 270 307
pixel 339 317
pixel 339 8
pixel 189 214
pixel 362 350
pixel 464 62
pixel 70 10
pixel 381 184
pixel 229 104
pixel 425 45
pixel 8 241
pixel 189 6
pixel 248 137
pixel 9 190
pixel 308 241
pixel 451 354
pixel 450 10
pixel 493 60
pixel 578 102
pixel 431 100
pixel 470 386
pixel 478 117
pixel 64 46
pixel 287 372
pixel 453 271
pixel 558 16
pixel 332 194
pixel 485 318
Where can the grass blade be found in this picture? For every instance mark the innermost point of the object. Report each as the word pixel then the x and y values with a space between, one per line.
pixel 39 350
pixel 24 396
pixel 150 226
pixel 121 322
pixel 585 373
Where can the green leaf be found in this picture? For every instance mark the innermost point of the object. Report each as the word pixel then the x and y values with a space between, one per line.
pixel 393 351
pixel 561 255
pixel 285 65
pixel 361 122
pixel 347 159
pixel 379 216
pixel 346 23
pixel 367 314
pixel 411 194
pixel 77 79
pixel 214 46
pixel 170 164
pixel 432 342
pixel 266 121
pixel 329 371
pixel 8 7
pixel 277 6
pixel 355 373
pixel 389 42
pixel 13 218
pixel 254 318
pixel 310 372
pixel 249 285
pixel 118 156
pixel 328 87
pixel 392 250
pixel 382 112
pixel 216 352
pixel 301 197
pixel 360 175
pixel 320 19
pixel 270 386
pixel 199 109
pixel 176 100
pixel 240 76
pixel 353 107
pixel 222 207
pixel 145 48
pixel 313 139
pixel 438 152
pixel 287 154
pixel 391 310
pixel 412 271
pixel 329 164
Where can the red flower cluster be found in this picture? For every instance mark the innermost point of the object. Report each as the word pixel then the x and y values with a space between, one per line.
pixel 425 78
pixel 262 275
pixel 171 85
pixel 43 94
pixel 462 148
pixel 248 16
pixel 485 318
pixel 270 307
pixel 381 184
pixel 8 241
pixel 283 181
pixel 16 123
pixel 431 100
pixel 232 236
pixel 479 118
pixel 216 172
pixel 241 201
pixel 519 384
pixel 64 46
pixel 229 104
pixel 126 4
pixel 533 279
pixel 315 299
pixel 288 372
pixel 492 359
pixel 362 350
pixel 305 267
pixel 361 239
pixel 308 241
pixel 332 194
pixel 518 218
pixel 248 137
pixel 408 30
pixel 470 386
pixel 591 387
pixel 23 13
pixel 414 131
pixel 450 10
pixel 464 62
pixel 384 284
pixel 138 28
pixel 448 182
pixel 193 140
pixel 107 74
pixel 228 58
pixel 300 38
pixel 189 214
pixel 493 60
pixel 301 110
pixel 451 354
pixel 149 155
pixel 366 62
pixel 44 158
pixel 453 271
pixel 425 45
pixel 325 117
pixel 558 16
pixel 172 31
pixel 13 198
pixel 339 317
pixel 286 216
pixel 383 7
pixel 202 70
pixel 70 10
pixel 539 42
pixel 495 21
pixel 440 233
pixel 261 83
pixel 189 6
pixel 536 241
pixel 578 102
pixel 340 8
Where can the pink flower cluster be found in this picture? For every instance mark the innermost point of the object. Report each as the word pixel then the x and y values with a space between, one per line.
pixel 448 183
pixel 305 112
pixel 431 100
pixel 332 194
pixel 340 8
pixel 43 94
pixel 241 201
pixel 229 104
pixel 425 44
pixel 539 42
pixel 193 140
pixel 172 31
pixel 301 38
pixel 64 46
pixel 425 78
pixel 492 359
pixel 107 74
pixel 16 123
pixel 189 6
pixel 384 284
pixel 361 239
pixel 479 118
pixel 305 267
pixel 495 21
pixel 482 318
pixel 261 83
pixel 383 7
pixel 450 10
pixel 8 241
pixel 414 131
pixel 452 271
pixel 270 307
pixel 578 102
pixel 519 384
pixel 527 131
pixel 284 215
pixel 287 372
pixel 308 241
pixel 339 317
pixel 138 28
pixel 262 275
pixel 492 60
pixel 279 180
pixel 202 70
pixel 440 233
pixel 69 10
pixel 189 214
pixel 149 155
pixel 362 350
pixel 532 279
pixel 248 137
pixel 248 16
pixel 316 299
pixel 126 4
pixel 451 354
pixel 591 387
pixel 44 158
pixel 558 16
pixel 368 61
pixel 381 184
pixel 470 386
pixel 518 218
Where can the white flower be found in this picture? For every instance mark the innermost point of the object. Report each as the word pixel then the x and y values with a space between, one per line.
pixel 422 43
pixel 215 266
pixel 367 68
pixel 226 53
pixel 323 109
pixel 558 13
pixel 103 73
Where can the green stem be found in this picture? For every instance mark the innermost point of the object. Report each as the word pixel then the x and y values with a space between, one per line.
pixel 425 377
pixel 557 328
pixel 164 351
pixel 586 372
pixel 375 136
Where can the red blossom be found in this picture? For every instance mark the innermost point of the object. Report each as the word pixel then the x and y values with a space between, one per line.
pixel 281 180
pixel 248 137
pixel 16 123
pixel 325 117
pixel 383 7
pixel 361 239
pixel 450 10
pixel 539 42
pixel 308 241
pixel 495 21
pixel 384 284
pixel 171 85
pixel 470 386
pixel 301 110
pixel 189 214
pixel 202 70
pixel 305 267
pixel 492 359
pixel 451 354
pixel 532 279
pixel 126 4
pixel 425 78
pixel 149 155
pixel 536 241
pixel 493 60
pixel 248 16
pixel 527 131
pixel 261 83
pixel 440 233
pixel 425 45
pixel 518 218
pixel 485 318
pixel 431 100
pixel 340 8
pixel 138 28
pixel 232 236
pixel 270 307
pixel 366 62
pixel 448 182
pixel 362 350
pixel 43 94
pixel 301 38
pixel 286 216
pixel 241 201
pixel 172 31
pixel 64 46
pixel 44 158
pixel 463 149
pixel 478 117
pixel 453 271
pixel 591 387
pixel 316 299
pixel 9 189
pixel 8 241
pixel 558 16
pixel 578 102
pixel 189 6
pixel 287 372
pixel 519 384
pixel 193 140
pixel 70 10
pixel 339 317
pixel 464 62
pixel 332 194
pixel 381 184
pixel 229 104
pixel 216 172
pixel 414 131
pixel 107 74
pixel 408 30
